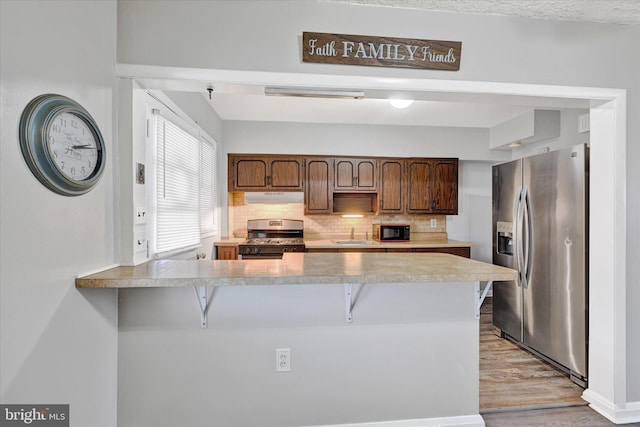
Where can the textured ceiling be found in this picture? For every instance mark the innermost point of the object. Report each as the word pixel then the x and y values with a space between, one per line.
pixel 610 11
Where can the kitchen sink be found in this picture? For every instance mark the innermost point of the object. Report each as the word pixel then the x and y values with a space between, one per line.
pixel 353 242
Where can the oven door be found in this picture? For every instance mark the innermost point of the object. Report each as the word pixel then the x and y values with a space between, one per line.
pixel 259 252
pixel 261 256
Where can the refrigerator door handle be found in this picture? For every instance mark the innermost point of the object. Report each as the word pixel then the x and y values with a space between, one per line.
pixel 527 233
pixel 517 237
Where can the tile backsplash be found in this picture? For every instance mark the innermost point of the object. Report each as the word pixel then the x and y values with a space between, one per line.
pixel 239 213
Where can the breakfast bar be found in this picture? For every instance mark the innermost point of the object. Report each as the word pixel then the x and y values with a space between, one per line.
pixel 299 269
pixel 370 338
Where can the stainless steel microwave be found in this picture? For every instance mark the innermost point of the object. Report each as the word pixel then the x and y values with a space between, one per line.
pixel 391 232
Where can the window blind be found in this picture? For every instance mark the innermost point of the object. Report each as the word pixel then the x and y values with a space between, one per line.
pixel 177 187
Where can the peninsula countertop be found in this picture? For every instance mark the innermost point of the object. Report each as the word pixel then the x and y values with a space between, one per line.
pixel 301 269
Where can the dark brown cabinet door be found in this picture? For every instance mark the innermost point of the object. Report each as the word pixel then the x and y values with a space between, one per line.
pixel 286 174
pixel 445 186
pixel 391 186
pixel 264 172
pixel 419 179
pixel 317 191
pixel 432 186
pixel 248 174
pixel 226 252
pixel 355 175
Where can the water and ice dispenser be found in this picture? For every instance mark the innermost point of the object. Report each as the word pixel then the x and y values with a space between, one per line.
pixel 505 237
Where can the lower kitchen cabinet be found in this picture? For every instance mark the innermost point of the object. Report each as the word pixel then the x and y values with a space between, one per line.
pixel 361 250
pixel 226 252
pixel 462 251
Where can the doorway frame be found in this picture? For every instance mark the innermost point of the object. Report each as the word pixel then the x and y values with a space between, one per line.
pixel 607 390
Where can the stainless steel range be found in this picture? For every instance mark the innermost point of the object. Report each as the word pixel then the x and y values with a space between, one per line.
pixel 270 238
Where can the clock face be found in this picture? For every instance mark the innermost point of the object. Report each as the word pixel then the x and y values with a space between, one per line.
pixel 61 144
pixel 72 146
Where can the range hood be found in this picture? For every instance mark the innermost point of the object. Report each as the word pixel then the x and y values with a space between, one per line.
pixel 274 197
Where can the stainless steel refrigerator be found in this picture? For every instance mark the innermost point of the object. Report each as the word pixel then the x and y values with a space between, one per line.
pixel 540 229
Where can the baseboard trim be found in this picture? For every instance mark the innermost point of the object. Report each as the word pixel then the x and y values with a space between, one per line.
pixel 463 421
pixel 630 413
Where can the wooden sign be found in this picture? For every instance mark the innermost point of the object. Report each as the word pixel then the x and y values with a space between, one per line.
pixel 380 51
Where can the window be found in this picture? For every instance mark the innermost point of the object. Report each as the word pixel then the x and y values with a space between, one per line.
pixel 184 205
pixel 207 196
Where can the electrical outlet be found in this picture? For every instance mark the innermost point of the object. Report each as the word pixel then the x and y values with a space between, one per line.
pixel 434 223
pixel 141 215
pixel 140 241
pixel 283 359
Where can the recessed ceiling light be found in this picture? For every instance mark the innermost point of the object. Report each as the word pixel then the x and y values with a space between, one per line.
pixel 401 103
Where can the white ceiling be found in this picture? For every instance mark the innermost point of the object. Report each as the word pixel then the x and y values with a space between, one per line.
pixel 236 102
pixel 609 11
pixel 258 107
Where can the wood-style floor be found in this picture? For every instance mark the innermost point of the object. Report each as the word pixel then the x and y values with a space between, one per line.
pixel 518 389
pixel 513 378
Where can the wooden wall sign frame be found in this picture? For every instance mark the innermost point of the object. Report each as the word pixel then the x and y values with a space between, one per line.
pixel 344 49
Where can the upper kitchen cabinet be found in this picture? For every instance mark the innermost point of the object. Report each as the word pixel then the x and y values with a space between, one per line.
pixel 432 186
pixel 265 173
pixel 317 188
pixel 392 187
pixel 445 186
pixel 355 175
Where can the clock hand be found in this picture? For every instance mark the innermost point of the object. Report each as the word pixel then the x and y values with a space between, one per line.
pixel 86 146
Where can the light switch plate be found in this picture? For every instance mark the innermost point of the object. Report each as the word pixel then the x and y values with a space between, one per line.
pixel 139 173
pixel 141 215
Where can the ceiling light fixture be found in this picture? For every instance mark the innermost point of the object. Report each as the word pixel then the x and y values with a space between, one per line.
pixel 313 93
pixel 516 144
pixel 353 216
pixel 400 103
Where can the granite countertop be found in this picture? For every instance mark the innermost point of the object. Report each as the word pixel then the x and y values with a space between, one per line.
pixel 300 269
pixel 324 242
pixel 229 241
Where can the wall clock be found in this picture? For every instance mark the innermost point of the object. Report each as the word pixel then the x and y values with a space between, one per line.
pixel 62 144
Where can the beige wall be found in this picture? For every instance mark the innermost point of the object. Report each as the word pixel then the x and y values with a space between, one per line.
pixel 319 225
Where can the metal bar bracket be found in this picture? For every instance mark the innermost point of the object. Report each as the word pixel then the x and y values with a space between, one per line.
pixel 348 299
pixel 481 296
pixel 203 304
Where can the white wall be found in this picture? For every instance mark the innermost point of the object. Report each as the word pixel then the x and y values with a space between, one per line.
pixel 58 344
pixel 231 36
pixel 396 361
